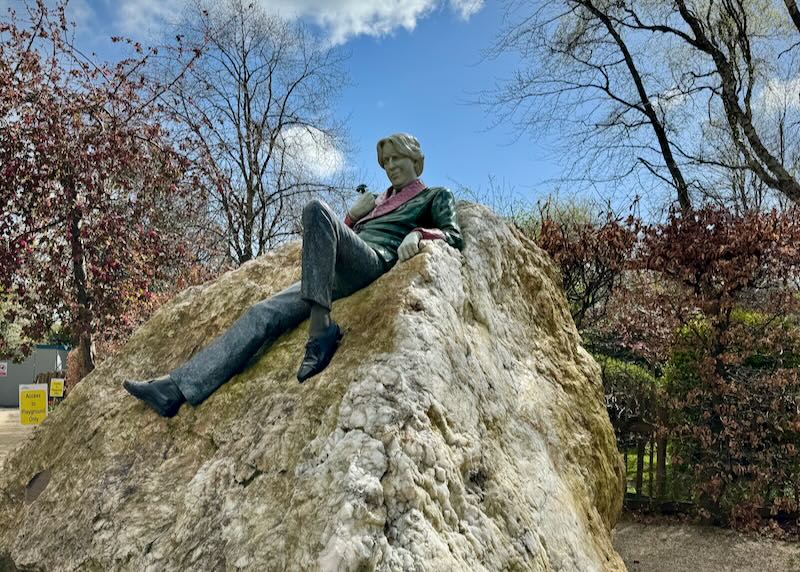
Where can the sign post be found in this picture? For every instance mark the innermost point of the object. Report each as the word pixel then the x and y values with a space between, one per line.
pixel 32 403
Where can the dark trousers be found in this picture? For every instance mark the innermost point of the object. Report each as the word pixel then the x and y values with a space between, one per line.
pixel 335 263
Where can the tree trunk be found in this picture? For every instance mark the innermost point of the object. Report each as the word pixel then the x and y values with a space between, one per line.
pixel 84 319
pixel 647 108
pixel 794 12
pixel 86 346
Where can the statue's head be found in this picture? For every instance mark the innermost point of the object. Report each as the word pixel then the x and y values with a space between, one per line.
pixel 402 146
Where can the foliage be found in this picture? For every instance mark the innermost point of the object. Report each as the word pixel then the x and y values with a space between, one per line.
pixel 735 426
pixel 591 257
pixel 631 394
pixel 736 442
pixel 90 183
pixel 709 302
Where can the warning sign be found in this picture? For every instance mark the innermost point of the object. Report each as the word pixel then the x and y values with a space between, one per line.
pixel 32 404
pixel 57 387
pixel 3 369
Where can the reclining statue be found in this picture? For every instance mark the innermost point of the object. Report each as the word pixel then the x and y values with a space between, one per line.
pixel 338 258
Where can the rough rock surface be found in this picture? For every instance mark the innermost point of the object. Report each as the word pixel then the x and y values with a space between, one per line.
pixel 460 426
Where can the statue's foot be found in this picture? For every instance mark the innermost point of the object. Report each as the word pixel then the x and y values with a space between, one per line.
pixel 161 394
pixel 319 351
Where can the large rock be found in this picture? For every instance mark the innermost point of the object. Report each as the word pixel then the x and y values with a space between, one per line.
pixel 460 426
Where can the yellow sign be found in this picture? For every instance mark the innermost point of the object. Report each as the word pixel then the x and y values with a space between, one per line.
pixel 57 387
pixel 32 404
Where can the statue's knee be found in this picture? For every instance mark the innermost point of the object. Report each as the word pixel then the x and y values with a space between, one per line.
pixel 313 208
pixel 258 312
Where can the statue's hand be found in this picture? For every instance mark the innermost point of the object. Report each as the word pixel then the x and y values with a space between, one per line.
pixel 362 207
pixel 410 245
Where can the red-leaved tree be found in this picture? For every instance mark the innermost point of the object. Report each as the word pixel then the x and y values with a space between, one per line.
pixel 592 258
pixel 709 303
pixel 91 186
pixel 732 375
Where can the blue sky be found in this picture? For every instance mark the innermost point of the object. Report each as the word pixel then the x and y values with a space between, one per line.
pixel 414 67
pixel 421 81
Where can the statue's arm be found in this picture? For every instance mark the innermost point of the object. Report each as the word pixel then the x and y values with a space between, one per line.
pixel 443 215
pixel 361 208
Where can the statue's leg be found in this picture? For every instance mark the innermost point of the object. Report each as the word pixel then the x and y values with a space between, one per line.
pixel 232 351
pixel 336 262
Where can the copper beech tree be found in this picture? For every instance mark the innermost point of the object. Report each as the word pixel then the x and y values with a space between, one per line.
pixel 732 374
pixel 89 182
pixel 709 302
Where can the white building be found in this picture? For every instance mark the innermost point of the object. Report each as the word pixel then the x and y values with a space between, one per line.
pixel 44 358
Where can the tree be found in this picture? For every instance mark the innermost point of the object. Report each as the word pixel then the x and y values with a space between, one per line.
pixel 732 373
pixel 255 104
pixel 699 316
pixel 592 256
pixel 726 36
pixel 794 12
pixel 639 86
pixel 88 179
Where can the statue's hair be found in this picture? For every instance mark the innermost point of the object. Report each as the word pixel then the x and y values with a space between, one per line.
pixel 408 146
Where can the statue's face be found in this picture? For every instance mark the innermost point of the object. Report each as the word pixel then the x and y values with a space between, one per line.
pixel 399 168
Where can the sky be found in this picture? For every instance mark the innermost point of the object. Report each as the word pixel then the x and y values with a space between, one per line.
pixel 415 66
pixel 422 81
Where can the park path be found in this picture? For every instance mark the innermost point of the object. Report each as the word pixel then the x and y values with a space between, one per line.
pixel 11 432
pixel 672 547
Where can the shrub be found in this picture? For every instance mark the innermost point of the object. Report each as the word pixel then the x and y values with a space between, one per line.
pixel 630 393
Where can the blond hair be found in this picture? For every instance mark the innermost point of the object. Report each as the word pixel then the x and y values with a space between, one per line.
pixel 407 146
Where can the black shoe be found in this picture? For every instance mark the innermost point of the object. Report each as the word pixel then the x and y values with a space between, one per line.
pixel 319 351
pixel 161 394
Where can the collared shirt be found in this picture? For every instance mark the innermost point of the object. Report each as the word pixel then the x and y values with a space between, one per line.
pixel 389 201
pixel 398 213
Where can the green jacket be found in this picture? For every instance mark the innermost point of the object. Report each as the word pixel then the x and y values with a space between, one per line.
pixel 432 210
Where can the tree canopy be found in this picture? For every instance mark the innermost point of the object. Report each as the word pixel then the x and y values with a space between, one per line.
pixel 91 184
pixel 698 96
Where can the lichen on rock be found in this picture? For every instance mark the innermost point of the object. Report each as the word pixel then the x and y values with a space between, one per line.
pixel 460 426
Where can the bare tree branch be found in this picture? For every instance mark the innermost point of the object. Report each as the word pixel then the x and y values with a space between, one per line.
pixel 794 12
pixel 259 88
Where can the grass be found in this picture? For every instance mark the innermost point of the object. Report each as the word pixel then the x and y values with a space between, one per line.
pixel 673 490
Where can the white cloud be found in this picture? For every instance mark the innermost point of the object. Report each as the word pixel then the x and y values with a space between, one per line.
pixel 349 18
pixel 782 94
pixel 341 19
pixel 466 8
pixel 311 152
pixel 145 18
pixel 669 99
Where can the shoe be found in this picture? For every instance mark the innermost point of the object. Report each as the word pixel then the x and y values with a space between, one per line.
pixel 319 351
pixel 161 394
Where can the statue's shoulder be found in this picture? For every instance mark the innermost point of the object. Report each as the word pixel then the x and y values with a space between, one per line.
pixel 433 191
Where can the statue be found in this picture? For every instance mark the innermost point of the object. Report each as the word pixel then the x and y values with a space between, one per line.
pixel 338 258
